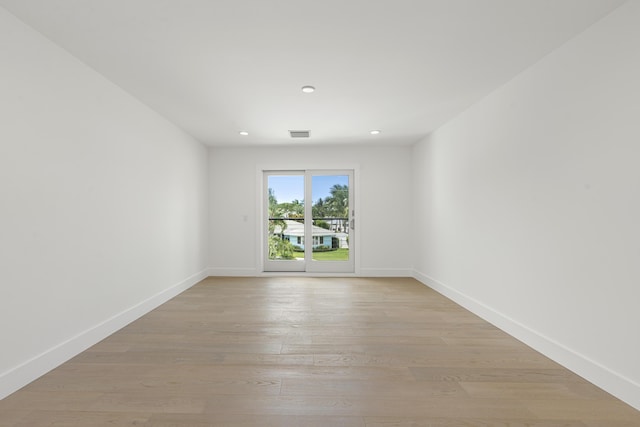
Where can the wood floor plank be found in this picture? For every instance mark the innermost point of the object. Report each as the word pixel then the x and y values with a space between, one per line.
pixel 208 420
pixel 473 374
pixel 302 351
pixel 82 419
pixel 366 387
pixel 339 405
pixel 467 422
pixel 523 391
pixel 603 410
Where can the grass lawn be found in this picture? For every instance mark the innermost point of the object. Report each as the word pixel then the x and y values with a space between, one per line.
pixel 337 255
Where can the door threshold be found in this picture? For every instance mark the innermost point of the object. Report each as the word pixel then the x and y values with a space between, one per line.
pixel 303 274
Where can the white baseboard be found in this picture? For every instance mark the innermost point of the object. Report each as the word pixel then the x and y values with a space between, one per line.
pixel 232 272
pixel 34 368
pixel 612 382
pixel 386 272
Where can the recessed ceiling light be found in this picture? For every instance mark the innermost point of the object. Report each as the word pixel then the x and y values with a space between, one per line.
pixel 308 89
pixel 243 133
pixel 374 132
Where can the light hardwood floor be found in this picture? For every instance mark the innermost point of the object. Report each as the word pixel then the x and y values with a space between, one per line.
pixel 308 352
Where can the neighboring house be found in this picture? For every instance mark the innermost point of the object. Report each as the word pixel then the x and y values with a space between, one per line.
pixel 294 232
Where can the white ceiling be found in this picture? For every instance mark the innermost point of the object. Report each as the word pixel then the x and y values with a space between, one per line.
pixel 215 67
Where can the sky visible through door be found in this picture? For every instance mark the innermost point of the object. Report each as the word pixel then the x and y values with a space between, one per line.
pixel 291 187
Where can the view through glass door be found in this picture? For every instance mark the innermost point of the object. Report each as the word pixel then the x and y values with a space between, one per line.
pixel 309 237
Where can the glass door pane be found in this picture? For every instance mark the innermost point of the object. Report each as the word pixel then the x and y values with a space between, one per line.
pixel 332 221
pixel 330 212
pixel 285 240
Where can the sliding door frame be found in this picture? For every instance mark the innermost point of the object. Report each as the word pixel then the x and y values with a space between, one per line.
pixel 261 225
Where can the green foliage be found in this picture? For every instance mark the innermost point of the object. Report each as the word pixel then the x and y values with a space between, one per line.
pixel 335 205
pixel 294 209
pixel 280 248
pixel 338 201
pixel 322 224
pixel 273 202
pixel 319 210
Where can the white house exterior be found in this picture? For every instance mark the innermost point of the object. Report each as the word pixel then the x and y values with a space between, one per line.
pixel 294 232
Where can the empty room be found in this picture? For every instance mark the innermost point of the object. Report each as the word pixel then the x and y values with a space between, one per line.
pixel 409 213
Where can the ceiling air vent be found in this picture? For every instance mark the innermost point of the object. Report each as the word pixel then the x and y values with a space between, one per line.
pixel 299 133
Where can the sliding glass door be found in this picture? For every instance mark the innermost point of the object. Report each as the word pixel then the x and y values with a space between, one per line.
pixel 309 237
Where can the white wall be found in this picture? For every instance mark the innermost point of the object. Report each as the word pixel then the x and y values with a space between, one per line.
pixel 103 206
pixel 528 205
pixel 383 193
